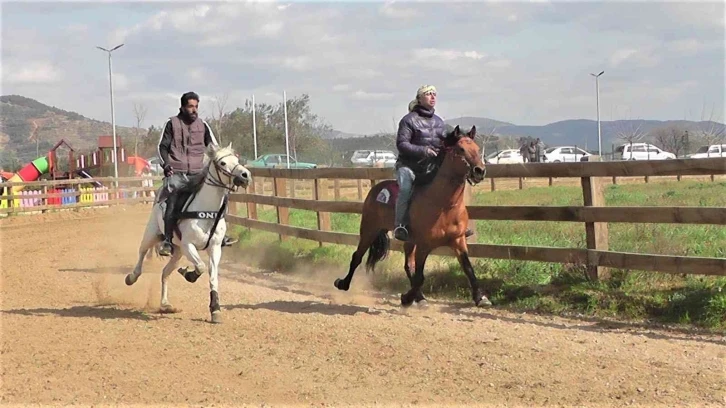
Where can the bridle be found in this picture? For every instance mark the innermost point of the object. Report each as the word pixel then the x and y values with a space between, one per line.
pixel 470 173
pixel 217 182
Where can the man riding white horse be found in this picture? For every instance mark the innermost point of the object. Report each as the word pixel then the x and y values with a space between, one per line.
pixel 182 147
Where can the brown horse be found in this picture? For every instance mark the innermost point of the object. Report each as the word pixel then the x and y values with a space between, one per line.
pixel 438 217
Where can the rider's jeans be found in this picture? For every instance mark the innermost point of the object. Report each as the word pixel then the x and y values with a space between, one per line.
pixel 405 178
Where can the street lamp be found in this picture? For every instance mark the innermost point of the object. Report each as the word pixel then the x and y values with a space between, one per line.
pixel 113 113
pixel 597 93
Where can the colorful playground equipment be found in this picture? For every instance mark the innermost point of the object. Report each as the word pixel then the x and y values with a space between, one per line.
pixel 99 163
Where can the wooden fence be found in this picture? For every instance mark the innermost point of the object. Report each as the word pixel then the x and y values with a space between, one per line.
pixel 594 214
pixel 52 195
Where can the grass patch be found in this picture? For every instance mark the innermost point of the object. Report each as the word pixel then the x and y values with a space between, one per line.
pixel 538 286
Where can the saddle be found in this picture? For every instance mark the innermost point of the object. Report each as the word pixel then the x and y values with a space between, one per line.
pixel 425 173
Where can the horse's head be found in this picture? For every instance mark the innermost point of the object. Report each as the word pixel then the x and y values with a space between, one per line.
pixel 462 146
pixel 226 168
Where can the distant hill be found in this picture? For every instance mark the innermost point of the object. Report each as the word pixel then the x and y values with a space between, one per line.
pixel 22 119
pixel 579 132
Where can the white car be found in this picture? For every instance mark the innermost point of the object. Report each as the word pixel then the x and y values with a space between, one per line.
pixel 508 156
pixel 371 157
pixel 642 151
pixel 705 152
pixel 564 154
pixel 155 164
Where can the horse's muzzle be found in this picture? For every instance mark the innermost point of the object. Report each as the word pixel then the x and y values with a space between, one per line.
pixel 478 173
pixel 241 180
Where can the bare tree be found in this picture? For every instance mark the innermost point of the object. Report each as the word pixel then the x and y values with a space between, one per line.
pixel 630 131
pixel 671 138
pixel 140 114
pixel 218 112
pixel 709 131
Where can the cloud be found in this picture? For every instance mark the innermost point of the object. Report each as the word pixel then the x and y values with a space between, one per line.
pixel 519 62
pixel 30 72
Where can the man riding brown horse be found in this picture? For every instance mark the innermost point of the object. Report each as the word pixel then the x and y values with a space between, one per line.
pixel 420 137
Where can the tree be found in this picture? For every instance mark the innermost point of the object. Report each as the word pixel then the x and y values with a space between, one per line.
pixel 218 114
pixel 709 131
pixel 671 138
pixel 140 114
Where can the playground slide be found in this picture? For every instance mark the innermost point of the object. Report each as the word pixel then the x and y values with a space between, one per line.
pixel 83 174
pixel 30 172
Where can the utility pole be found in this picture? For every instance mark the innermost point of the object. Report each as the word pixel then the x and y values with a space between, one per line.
pixel 113 113
pixel 597 95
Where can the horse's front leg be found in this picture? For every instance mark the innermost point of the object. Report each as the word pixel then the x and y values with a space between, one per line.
pixel 215 254
pixel 417 279
pixel 462 254
pixel 190 251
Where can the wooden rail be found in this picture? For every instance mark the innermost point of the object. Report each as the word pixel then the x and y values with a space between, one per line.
pixel 593 213
pixel 52 195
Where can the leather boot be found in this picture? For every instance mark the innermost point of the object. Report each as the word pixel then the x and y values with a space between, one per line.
pixel 169 222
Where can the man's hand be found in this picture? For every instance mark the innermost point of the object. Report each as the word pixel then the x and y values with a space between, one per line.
pixel 168 170
pixel 430 152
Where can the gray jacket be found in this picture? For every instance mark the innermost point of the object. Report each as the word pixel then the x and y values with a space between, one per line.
pixel 183 145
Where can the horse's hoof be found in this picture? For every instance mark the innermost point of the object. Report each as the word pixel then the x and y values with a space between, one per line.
pixel 217 317
pixel 406 301
pixel 168 309
pixel 130 279
pixel 190 275
pixel 341 284
pixel 483 302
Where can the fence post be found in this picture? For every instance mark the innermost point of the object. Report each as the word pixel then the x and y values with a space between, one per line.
pixel 360 189
pixel 283 214
pixel 336 189
pixel 467 201
pixel 252 207
pixel 320 193
pixel 493 184
pixel 593 191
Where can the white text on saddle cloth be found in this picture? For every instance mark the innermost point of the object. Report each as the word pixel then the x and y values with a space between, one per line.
pixel 384 196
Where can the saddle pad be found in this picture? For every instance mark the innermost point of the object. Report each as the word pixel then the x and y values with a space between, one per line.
pixel 388 193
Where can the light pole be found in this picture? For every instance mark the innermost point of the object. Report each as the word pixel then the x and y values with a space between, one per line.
pixel 597 93
pixel 113 113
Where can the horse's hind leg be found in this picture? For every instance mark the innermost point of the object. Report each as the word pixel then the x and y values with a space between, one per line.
pixel 151 237
pixel 409 266
pixel 367 237
pixel 165 306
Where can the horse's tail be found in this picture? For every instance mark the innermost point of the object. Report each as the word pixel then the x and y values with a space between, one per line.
pixel 378 250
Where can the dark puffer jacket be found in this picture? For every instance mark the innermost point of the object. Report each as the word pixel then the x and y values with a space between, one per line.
pixel 417 131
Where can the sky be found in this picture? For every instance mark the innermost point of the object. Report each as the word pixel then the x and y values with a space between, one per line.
pixel 527 63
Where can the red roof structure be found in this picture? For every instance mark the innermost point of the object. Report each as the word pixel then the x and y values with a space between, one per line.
pixel 106 142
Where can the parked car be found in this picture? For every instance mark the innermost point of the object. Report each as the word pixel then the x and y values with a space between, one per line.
pixel 279 160
pixel 371 157
pixel 704 152
pixel 504 157
pixel 642 151
pixel 565 154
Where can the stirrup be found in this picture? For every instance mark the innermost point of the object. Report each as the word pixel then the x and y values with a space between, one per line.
pixel 468 233
pixel 400 233
pixel 164 250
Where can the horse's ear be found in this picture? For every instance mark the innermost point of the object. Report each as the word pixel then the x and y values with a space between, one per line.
pixel 457 132
pixel 472 132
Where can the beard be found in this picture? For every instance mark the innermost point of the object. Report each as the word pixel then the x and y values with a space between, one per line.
pixel 190 117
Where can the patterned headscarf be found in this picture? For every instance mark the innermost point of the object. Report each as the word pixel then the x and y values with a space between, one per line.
pixel 422 90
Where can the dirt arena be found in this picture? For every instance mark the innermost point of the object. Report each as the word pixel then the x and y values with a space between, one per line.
pixel 74 334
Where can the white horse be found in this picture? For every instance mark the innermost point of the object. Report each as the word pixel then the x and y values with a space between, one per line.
pixel 222 173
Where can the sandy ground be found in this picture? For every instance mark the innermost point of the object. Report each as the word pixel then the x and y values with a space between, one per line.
pixel 73 333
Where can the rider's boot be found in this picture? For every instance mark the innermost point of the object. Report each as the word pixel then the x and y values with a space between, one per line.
pixel 229 241
pixel 166 247
pixel 401 233
pixel 469 232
